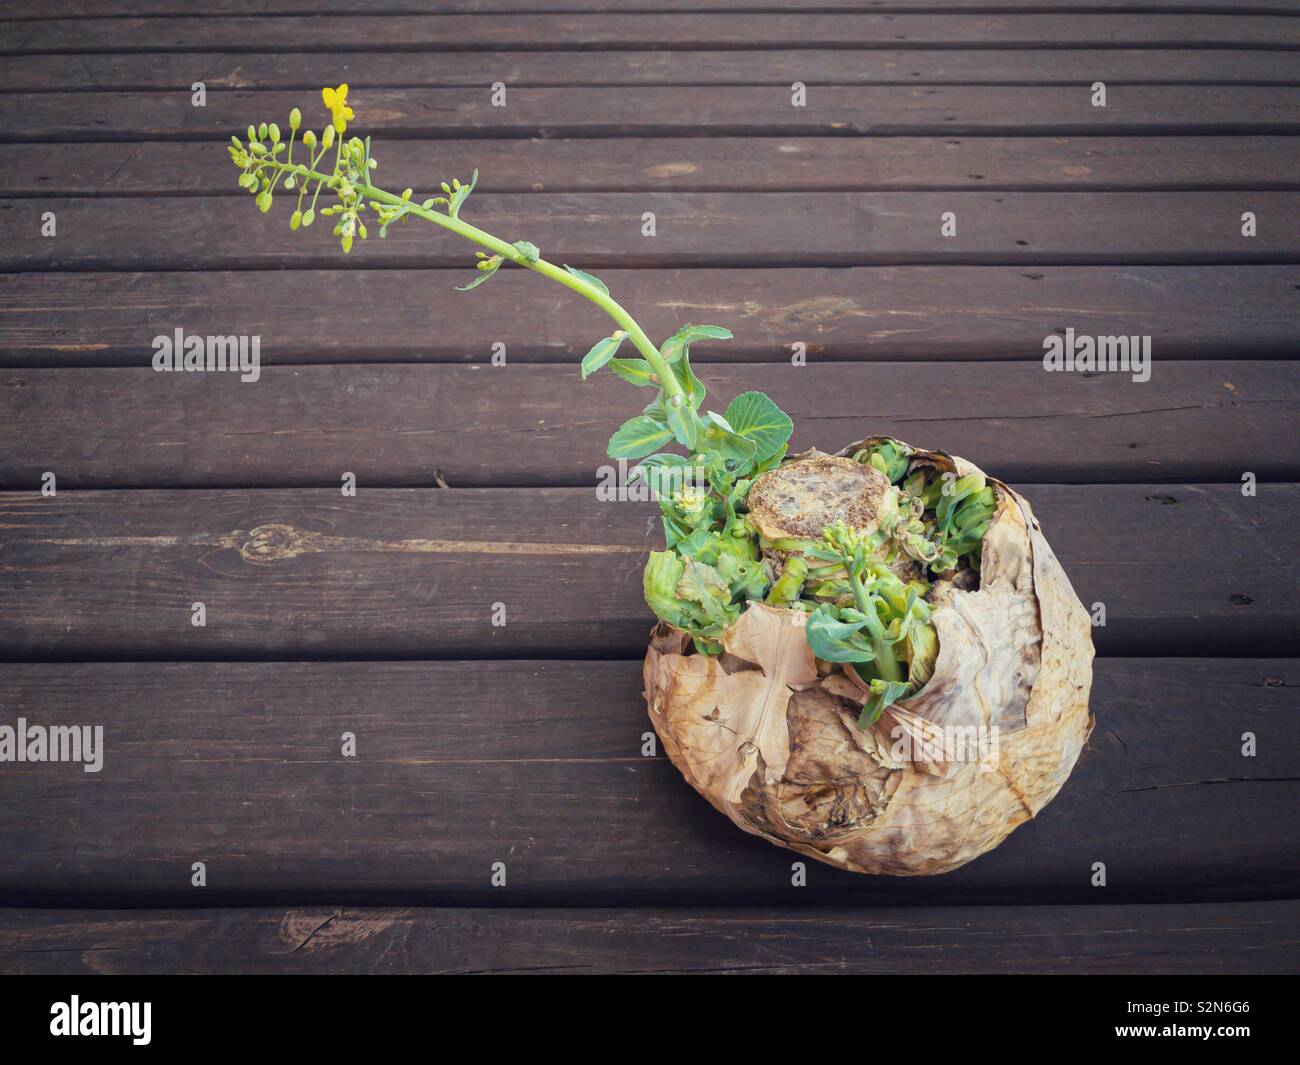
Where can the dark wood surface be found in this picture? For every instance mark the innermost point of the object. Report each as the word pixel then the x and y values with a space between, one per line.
pixel 680 31
pixel 46 9
pixel 290 70
pixel 811 229
pixel 411 572
pixel 395 425
pixel 603 229
pixel 716 164
pixel 656 110
pixel 865 314
pixel 1186 939
pixel 539 764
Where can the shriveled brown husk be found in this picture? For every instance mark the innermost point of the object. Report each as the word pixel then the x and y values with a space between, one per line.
pixel 773 742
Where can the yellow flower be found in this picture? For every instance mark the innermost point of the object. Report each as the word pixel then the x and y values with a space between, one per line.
pixel 337 101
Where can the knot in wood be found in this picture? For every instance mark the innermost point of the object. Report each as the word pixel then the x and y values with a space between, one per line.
pixel 273 543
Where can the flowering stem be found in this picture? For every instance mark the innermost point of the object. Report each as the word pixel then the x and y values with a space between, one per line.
pixel 667 379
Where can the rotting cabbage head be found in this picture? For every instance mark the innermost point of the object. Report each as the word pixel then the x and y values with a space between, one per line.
pixel 915 686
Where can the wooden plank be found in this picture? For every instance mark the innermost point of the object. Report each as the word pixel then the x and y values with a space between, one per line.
pixel 544 32
pixel 402 425
pixel 27 9
pixel 279 70
pixel 892 110
pixel 1245 938
pixel 1181 569
pixel 715 164
pixel 879 313
pixel 600 230
pixel 539 765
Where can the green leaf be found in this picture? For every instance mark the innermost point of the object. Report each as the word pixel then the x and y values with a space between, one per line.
pixel 747 578
pixel 527 250
pixel 883 692
pixel 658 468
pixel 663 569
pixel 703 584
pixel 601 354
pixel 638 437
pixel 833 639
pixel 689 334
pixel 460 195
pixel 771 462
pixel 679 343
pixel 686 376
pixel 637 371
pixel 663 458
pixel 590 279
pixel 720 437
pixel 702 545
pixel 684 423
pixel 485 271
pixel 754 415
pixel 888 457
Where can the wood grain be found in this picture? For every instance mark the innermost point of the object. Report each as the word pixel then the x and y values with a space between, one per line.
pixel 294 70
pixel 684 32
pixel 539 765
pixel 1181 569
pixel 1185 939
pixel 26 9
pixel 715 164
pixel 691 229
pixel 371 615
pixel 659 110
pixel 913 313
pixel 403 425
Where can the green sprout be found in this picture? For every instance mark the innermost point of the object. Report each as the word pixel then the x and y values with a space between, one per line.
pixel 887 457
pixel 267 162
pixel 882 629
pixel 720 568
pixel 862 612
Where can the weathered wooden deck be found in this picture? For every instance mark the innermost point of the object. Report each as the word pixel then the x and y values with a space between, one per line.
pixel 522 744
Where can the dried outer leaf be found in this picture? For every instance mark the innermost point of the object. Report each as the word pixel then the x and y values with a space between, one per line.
pixel 723 728
pixel 834 786
pixel 989 644
pixel 1015 654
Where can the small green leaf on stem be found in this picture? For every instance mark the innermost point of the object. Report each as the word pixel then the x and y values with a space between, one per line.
pixel 601 353
pixel 683 421
pixel 487 268
pixel 691 385
pixel 637 371
pixel 679 343
pixel 458 194
pixel 590 279
pixel 638 437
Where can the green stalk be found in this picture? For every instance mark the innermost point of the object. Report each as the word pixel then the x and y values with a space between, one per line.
pixel 667 378
pixel 885 662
